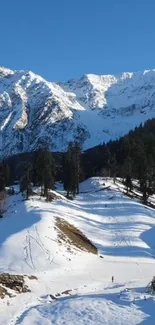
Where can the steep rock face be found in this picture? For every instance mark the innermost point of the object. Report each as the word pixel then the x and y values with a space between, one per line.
pixel 93 109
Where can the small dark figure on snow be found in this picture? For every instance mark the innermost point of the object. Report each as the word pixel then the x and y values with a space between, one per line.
pixel 112 279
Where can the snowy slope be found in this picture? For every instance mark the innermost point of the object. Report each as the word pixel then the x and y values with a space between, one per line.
pixel 123 231
pixel 94 109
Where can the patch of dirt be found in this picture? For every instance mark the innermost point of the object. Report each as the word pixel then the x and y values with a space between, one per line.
pixel 13 282
pixel 66 292
pixel 3 292
pixel 57 295
pixel 73 236
pixel 32 277
pixel 52 297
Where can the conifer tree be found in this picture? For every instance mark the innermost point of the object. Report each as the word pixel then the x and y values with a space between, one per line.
pixel 127 168
pixel 25 183
pixel 113 167
pixel 6 174
pixel 144 188
pixel 128 183
pixel 106 159
pixel 44 170
pixel 77 153
pixel 71 169
pixel 2 177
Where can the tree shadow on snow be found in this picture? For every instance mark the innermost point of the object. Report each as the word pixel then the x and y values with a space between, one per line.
pixel 126 222
pixel 17 218
pixel 148 237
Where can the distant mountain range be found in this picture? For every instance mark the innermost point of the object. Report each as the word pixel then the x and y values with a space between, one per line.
pixel 93 109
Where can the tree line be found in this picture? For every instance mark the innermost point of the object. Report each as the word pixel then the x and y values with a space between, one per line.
pixel 43 171
pixel 130 157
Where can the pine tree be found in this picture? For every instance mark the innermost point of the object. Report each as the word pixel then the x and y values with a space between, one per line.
pixel 77 153
pixel 113 167
pixel 147 181
pixel 127 168
pixel 71 169
pixel 128 183
pixel 144 188
pixel 65 172
pixel 6 174
pixel 44 170
pixel 2 177
pixel 25 183
pixel 106 158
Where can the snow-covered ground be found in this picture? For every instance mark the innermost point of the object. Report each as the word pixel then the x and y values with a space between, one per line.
pixel 122 229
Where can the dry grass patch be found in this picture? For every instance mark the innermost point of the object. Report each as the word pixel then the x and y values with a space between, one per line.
pixel 73 236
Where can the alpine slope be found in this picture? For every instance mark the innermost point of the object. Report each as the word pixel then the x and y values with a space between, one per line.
pixel 123 231
pixel 92 110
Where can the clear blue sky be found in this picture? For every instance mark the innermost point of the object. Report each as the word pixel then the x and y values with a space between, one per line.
pixel 63 39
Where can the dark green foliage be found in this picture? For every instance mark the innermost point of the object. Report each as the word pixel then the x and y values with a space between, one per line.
pixel 25 182
pixel 127 168
pixel 92 161
pixel 107 158
pixel 132 156
pixel 4 175
pixel 113 167
pixel 128 183
pixel 71 169
pixel 44 169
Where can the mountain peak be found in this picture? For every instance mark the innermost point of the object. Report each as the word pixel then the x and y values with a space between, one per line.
pixel 92 110
pixel 5 71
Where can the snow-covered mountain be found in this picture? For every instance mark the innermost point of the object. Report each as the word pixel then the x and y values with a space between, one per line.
pixel 94 109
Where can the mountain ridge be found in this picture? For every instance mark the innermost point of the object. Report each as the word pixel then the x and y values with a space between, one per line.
pixel 92 110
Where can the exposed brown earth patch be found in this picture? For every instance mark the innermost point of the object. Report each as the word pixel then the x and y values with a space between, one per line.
pixel 66 292
pixel 32 277
pixel 14 282
pixel 3 292
pixel 73 236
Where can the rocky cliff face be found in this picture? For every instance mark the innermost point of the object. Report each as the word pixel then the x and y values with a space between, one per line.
pixel 92 110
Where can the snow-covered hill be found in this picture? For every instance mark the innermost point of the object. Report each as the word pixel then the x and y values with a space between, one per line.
pixel 94 109
pixel 122 229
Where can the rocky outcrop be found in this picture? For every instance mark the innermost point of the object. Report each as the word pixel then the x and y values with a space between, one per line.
pixel 13 282
pixel 3 292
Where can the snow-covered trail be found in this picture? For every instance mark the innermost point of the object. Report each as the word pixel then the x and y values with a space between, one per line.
pixel 122 230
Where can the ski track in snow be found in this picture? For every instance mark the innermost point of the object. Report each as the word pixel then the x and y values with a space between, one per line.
pixel 28 252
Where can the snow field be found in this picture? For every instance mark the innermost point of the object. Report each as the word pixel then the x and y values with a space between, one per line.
pixel 122 230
